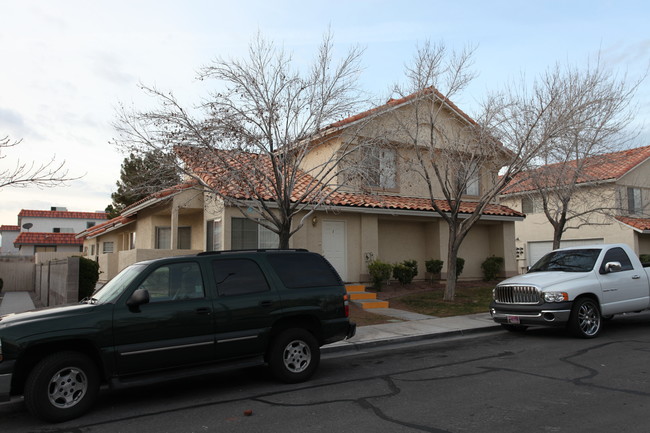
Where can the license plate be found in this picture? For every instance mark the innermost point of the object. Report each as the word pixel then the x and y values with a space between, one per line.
pixel 514 320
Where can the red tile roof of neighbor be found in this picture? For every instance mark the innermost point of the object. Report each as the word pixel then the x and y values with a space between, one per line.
pixel 35 238
pixel 62 214
pixel 608 166
pixel 105 226
pixel 640 224
pixel 210 165
pixel 8 228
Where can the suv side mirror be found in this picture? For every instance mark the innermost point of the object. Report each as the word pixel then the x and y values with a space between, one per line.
pixel 139 297
pixel 612 267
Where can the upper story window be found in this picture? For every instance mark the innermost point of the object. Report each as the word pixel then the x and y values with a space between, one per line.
pixel 634 201
pixel 531 205
pixel 469 175
pixel 382 168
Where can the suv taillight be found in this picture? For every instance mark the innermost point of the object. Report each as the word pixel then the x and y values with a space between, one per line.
pixel 346 302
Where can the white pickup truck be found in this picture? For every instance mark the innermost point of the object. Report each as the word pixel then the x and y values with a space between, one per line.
pixel 575 288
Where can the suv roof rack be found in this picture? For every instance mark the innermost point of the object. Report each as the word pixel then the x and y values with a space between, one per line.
pixel 259 250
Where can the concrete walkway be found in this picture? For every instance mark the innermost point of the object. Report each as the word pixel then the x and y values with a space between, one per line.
pixel 412 327
pixel 15 302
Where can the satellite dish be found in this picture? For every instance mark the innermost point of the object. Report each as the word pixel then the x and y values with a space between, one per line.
pixel 28 226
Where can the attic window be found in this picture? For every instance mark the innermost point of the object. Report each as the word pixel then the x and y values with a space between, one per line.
pixel 634 201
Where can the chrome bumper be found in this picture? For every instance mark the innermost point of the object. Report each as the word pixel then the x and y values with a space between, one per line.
pixel 543 317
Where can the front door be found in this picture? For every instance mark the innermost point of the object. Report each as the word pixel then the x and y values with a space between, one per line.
pixel 174 329
pixel 334 246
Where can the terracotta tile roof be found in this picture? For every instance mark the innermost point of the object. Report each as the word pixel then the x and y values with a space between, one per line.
pixel 210 166
pixel 639 224
pixel 62 214
pixel 98 229
pixel 8 228
pixel 609 166
pixel 167 192
pixel 396 103
pixel 36 238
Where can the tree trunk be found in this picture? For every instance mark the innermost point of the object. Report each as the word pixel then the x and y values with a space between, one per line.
pixel 452 255
pixel 284 235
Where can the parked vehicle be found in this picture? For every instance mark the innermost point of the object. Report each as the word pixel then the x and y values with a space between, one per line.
pixel 176 317
pixel 574 287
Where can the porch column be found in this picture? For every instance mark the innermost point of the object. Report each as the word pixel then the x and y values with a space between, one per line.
pixel 174 228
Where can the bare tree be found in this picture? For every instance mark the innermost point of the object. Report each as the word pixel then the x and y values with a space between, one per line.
pixel 601 125
pixel 460 158
pixel 25 174
pixel 250 143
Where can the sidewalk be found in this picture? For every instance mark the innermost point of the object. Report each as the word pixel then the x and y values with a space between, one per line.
pixel 15 302
pixel 414 327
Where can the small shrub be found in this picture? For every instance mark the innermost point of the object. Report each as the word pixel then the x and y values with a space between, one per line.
pixel 460 265
pixel 88 276
pixel 645 258
pixel 434 267
pixel 491 268
pixel 379 273
pixel 405 272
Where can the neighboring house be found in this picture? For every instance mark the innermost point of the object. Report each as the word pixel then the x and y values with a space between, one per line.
pixel 8 234
pixel 53 230
pixel 392 219
pixel 618 183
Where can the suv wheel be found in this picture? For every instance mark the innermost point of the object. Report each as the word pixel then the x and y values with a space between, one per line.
pixel 62 386
pixel 294 355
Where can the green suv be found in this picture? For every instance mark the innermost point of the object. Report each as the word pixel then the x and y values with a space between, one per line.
pixel 175 317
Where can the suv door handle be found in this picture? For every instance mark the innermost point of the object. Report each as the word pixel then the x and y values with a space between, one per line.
pixel 266 303
pixel 636 277
pixel 203 310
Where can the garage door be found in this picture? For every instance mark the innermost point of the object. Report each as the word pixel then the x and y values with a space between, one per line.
pixel 536 250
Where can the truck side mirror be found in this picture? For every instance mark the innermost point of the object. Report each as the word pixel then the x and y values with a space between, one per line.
pixel 138 298
pixel 612 267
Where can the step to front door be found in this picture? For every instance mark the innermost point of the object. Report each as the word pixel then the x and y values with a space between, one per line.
pixel 366 300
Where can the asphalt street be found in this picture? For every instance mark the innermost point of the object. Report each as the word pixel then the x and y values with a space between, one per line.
pixel 538 381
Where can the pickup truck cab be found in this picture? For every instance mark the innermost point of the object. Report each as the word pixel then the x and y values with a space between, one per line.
pixel 172 318
pixel 575 288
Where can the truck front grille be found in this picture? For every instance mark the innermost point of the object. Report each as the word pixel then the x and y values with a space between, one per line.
pixel 517 295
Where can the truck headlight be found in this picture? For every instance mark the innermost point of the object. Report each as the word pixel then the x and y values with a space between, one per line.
pixel 556 296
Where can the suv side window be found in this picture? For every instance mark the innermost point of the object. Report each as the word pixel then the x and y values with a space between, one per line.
pixel 303 270
pixel 618 255
pixel 238 277
pixel 174 281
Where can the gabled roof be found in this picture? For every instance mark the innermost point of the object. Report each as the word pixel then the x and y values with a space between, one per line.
pixel 105 227
pixel 8 228
pixel 600 168
pixel 641 225
pixel 36 238
pixel 209 165
pixel 394 103
pixel 62 214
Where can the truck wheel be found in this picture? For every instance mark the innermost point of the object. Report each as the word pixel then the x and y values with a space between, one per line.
pixel 62 386
pixel 294 355
pixel 585 320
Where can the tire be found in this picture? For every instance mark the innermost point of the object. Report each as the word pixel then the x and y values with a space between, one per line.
pixel 294 355
pixel 62 386
pixel 513 328
pixel 585 320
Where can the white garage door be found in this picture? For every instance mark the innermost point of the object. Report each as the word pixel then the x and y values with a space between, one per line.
pixel 536 250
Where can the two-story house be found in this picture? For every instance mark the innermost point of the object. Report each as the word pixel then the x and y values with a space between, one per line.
pixel 53 230
pixel 614 186
pixel 390 219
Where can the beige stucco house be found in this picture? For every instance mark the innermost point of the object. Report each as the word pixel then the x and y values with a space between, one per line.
pixel 391 220
pixel 618 183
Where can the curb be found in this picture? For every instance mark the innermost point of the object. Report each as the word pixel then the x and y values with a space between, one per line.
pixel 344 346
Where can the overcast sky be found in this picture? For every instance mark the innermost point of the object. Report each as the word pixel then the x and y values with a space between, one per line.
pixel 65 65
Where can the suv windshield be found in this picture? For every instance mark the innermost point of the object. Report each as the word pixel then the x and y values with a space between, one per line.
pixel 114 288
pixel 567 261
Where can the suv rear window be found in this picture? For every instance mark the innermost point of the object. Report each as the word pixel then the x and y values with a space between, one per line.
pixel 300 270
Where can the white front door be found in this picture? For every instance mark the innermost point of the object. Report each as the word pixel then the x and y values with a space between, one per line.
pixel 334 246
